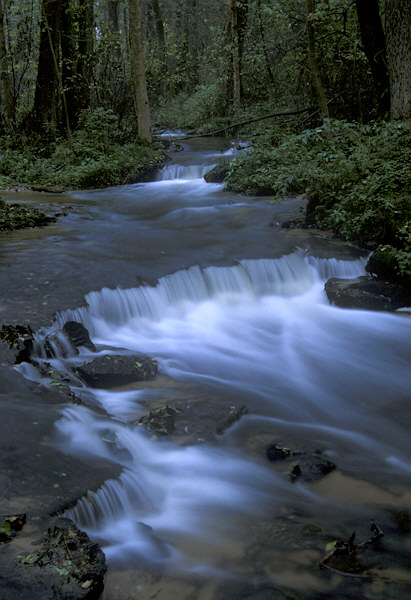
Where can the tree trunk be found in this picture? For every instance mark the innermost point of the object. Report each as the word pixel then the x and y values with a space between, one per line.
pixel 138 71
pixel 85 53
pixel 234 31
pixel 5 78
pixel 315 71
pixel 46 97
pixel 69 61
pixel 373 41
pixel 160 30
pixel 397 30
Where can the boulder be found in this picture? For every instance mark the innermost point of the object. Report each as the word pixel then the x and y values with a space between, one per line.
pixel 78 335
pixel 366 293
pixel 217 174
pixel 113 370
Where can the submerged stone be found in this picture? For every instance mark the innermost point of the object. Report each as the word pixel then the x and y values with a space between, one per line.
pixel 311 468
pixel 113 370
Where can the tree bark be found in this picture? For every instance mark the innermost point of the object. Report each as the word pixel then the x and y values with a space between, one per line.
pixel 5 78
pixel 234 31
pixel 315 70
pixel 373 41
pixel 46 97
pixel 85 52
pixel 160 30
pixel 397 30
pixel 138 71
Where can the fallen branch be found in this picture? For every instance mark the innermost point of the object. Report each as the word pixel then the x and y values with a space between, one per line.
pixel 350 548
pixel 288 113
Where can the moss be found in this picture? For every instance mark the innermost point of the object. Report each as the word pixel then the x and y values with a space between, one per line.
pixel 16 216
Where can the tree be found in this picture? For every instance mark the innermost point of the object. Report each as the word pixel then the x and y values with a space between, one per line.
pixel 46 101
pixel 138 71
pixel 373 41
pixel 5 77
pixel 398 31
pixel 235 29
pixel 315 70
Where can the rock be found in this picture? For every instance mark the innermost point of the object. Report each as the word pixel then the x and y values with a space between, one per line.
pixel 113 370
pixel 65 565
pixel 366 293
pixel 233 416
pixel 78 335
pixel 275 453
pixel 217 174
pixel 192 422
pixel 311 468
pixel 10 524
pixel 20 339
pixel 161 420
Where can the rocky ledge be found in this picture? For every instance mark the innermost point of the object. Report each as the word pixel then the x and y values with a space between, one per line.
pixel 367 293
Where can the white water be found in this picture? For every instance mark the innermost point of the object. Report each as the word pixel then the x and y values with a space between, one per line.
pixel 259 332
pixel 264 331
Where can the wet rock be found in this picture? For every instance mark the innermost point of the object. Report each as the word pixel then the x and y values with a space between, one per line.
pixel 365 293
pixel 9 525
pixel 311 468
pixel 113 370
pixel 64 565
pixel 20 340
pixel 217 174
pixel 17 216
pixel 275 452
pixel 161 421
pixel 78 335
pixel 233 416
pixel 192 422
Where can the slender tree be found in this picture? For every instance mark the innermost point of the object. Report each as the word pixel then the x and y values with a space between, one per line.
pixel 5 77
pixel 398 33
pixel 138 71
pixel 315 70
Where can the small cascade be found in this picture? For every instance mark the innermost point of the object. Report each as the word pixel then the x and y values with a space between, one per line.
pixel 290 275
pixel 181 172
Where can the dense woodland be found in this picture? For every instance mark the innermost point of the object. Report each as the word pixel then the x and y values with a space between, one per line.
pixel 85 83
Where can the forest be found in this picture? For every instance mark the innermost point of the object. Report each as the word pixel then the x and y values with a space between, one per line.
pixel 321 89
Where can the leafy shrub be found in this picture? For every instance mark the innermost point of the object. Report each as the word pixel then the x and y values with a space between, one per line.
pixel 356 177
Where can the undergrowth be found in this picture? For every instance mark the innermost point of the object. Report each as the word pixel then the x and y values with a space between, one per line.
pixel 356 177
pixel 101 154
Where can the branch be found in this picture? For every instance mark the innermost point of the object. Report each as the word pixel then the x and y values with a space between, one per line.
pixel 270 116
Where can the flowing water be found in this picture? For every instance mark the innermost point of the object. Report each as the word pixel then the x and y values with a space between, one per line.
pixel 233 308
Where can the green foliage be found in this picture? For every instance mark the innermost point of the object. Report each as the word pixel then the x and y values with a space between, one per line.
pixel 356 178
pixel 97 157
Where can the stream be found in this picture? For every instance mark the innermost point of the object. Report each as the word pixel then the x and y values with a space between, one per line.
pixel 233 308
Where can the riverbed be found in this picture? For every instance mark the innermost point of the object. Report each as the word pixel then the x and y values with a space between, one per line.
pixel 232 306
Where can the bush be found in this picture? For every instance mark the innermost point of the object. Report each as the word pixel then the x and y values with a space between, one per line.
pixel 101 154
pixel 356 177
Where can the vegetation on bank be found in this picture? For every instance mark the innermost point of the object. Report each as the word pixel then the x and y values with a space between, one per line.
pixel 356 178
pixel 100 153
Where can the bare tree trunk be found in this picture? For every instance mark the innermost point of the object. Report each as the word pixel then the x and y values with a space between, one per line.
pixel 5 78
pixel 46 101
pixel 85 52
pixel 138 71
pixel 234 32
pixel 315 71
pixel 160 30
pixel 373 41
pixel 398 31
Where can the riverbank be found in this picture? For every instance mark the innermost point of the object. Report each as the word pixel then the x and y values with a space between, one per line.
pixel 356 179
